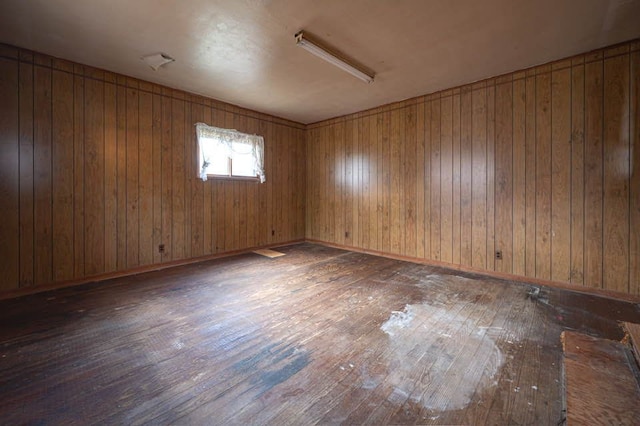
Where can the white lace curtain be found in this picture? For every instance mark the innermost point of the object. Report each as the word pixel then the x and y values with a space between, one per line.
pixel 252 144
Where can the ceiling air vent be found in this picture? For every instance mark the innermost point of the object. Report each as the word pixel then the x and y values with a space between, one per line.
pixel 157 60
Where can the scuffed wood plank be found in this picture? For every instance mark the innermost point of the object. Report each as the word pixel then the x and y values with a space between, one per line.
pixel 633 330
pixel 601 387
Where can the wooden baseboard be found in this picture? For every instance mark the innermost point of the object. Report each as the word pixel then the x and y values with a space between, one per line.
pixel 25 291
pixel 493 274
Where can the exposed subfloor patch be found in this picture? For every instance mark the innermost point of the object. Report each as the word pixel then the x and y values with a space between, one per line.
pixel 268 253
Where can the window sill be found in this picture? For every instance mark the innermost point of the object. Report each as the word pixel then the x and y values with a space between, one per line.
pixel 236 178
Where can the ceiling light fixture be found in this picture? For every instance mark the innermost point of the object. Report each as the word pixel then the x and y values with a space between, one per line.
pixel 323 53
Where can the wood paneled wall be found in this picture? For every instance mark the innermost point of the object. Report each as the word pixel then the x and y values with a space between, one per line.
pixel 97 170
pixel 542 165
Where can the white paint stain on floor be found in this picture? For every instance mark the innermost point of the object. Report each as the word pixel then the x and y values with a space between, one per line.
pixel 398 320
pixel 449 374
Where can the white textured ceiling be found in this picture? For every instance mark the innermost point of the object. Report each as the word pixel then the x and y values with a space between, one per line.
pixel 243 51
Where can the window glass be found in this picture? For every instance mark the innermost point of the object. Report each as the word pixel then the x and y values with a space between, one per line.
pixel 242 160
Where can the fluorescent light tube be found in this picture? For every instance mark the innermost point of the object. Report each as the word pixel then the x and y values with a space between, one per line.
pixel 320 52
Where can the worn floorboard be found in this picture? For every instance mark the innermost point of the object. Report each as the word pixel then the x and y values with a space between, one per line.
pixel 601 383
pixel 320 335
pixel 633 330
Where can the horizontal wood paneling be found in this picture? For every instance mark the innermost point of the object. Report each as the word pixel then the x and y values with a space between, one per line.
pixel 99 169
pixel 539 164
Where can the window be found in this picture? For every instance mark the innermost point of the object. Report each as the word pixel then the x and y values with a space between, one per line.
pixel 229 153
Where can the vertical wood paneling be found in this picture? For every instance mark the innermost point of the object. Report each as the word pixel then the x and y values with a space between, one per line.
pixel 110 179
pixel 78 176
pixel 530 175
pixel 490 175
pixel 561 175
pixel 9 173
pixel 420 184
pixel 207 208
pixel 145 178
pixel 167 178
pixel 339 179
pixel 540 164
pixel 197 191
pixel 121 180
pixel 504 177
pixel 132 179
pixel 479 178
pixel 616 173
pixel 99 170
pixel 157 177
pixel 446 182
pixel 543 176
pixel 519 169
pixel 370 178
pixel 402 178
pixel 384 190
pixel 376 131
pixel 395 173
pixel 466 168
pixel 362 186
pixel 634 160
pixel 593 192
pixel 43 266
pixel 188 140
pixel 410 169
pixel 348 196
pixel 25 91
pixel 436 222
pixel 94 176
pixel 62 208
pixel 456 216
pixel 577 173
pixel 178 176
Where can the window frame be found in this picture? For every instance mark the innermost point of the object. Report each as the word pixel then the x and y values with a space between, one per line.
pixel 230 176
pixel 256 153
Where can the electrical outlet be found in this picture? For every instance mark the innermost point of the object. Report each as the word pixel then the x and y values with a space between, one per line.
pixel 499 254
pixel 161 248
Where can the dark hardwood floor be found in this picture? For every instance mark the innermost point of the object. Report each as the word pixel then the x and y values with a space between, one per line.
pixel 320 335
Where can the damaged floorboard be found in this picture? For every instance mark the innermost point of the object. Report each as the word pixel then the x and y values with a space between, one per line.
pixel 320 335
pixel 601 383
